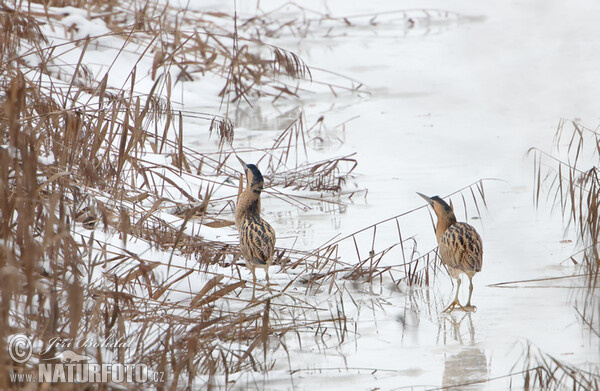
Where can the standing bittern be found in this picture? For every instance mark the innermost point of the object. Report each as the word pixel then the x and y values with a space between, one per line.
pixel 460 247
pixel 257 237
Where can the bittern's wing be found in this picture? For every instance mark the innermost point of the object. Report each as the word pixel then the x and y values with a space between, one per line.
pixel 461 248
pixel 257 240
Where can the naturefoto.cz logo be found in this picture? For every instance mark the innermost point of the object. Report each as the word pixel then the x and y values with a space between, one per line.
pixel 71 367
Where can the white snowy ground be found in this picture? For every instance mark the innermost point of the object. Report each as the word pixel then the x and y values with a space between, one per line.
pixel 445 104
pixel 449 104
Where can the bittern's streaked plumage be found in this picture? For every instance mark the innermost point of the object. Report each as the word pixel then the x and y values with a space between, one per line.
pixel 460 247
pixel 257 237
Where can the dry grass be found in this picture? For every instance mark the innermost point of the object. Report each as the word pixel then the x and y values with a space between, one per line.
pixel 543 371
pixel 76 177
pixel 569 179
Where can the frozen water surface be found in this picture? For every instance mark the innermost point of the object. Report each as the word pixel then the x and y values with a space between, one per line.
pixel 445 104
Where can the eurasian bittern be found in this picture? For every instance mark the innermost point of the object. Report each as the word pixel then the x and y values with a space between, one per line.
pixel 257 237
pixel 460 247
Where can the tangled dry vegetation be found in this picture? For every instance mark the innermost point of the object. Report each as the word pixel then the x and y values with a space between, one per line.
pixel 545 372
pixel 97 186
pixel 568 180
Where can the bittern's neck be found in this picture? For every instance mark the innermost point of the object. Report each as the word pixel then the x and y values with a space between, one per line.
pixel 444 222
pixel 248 203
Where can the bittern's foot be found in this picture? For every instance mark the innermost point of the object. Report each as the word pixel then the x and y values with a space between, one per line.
pixel 453 305
pixel 470 308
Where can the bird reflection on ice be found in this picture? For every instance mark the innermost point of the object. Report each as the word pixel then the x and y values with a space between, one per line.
pixel 469 367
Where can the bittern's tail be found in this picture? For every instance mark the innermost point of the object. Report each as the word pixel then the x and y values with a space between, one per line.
pixel 259 261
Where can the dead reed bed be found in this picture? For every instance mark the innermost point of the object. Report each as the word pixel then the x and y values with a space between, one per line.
pixel 546 372
pixel 111 225
pixel 567 179
pixel 92 176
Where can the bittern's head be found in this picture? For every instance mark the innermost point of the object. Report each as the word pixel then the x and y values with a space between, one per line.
pixel 441 208
pixel 254 179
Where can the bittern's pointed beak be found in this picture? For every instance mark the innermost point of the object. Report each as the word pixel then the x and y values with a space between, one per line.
pixel 429 200
pixel 243 163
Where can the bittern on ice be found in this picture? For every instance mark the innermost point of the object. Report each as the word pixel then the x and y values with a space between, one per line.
pixel 460 247
pixel 257 237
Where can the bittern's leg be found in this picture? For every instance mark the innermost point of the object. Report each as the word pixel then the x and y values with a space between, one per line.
pixel 458 282
pixel 455 303
pixel 470 307
pixel 253 282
